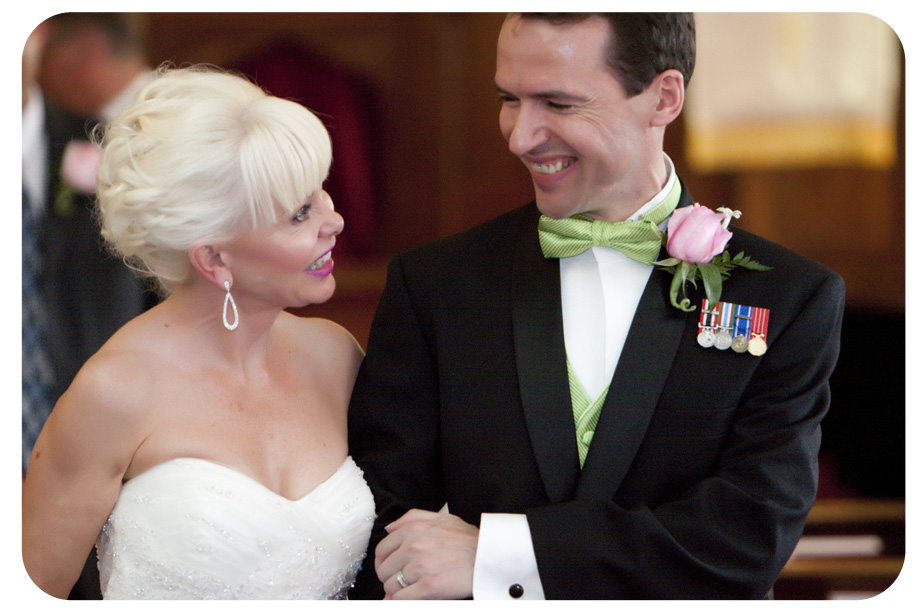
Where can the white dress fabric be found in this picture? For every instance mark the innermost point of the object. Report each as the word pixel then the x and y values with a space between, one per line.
pixel 193 529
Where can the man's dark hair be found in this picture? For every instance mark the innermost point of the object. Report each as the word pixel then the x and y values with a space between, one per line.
pixel 641 45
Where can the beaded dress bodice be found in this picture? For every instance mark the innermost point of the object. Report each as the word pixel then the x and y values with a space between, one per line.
pixel 193 529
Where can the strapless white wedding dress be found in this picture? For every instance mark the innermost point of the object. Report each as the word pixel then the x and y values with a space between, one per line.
pixel 194 529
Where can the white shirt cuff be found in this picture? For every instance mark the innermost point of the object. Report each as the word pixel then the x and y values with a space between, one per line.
pixel 506 565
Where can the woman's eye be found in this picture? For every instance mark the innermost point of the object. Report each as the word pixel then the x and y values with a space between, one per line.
pixel 302 214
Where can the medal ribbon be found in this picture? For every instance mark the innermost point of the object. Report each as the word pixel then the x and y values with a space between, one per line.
pixel 743 321
pixel 740 320
pixel 706 317
pixel 759 322
pixel 726 315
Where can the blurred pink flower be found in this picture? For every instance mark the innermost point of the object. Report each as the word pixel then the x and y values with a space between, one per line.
pixel 79 165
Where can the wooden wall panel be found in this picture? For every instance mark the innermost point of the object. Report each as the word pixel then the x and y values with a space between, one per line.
pixel 444 166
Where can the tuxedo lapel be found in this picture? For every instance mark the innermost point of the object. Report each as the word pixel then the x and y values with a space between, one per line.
pixel 539 342
pixel 541 363
pixel 637 383
pixel 641 372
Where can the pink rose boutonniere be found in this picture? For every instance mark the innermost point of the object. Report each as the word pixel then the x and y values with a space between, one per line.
pixel 78 174
pixel 696 241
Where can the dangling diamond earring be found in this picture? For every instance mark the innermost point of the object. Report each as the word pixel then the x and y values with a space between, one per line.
pixel 236 314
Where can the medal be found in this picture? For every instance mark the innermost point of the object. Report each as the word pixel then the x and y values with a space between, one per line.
pixel 740 327
pixel 740 344
pixel 760 317
pixel 757 346
pixel 742 332
pixel 724 334
pixel 706 336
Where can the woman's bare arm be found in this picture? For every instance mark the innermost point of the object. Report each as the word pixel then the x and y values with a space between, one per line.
pixel 75 473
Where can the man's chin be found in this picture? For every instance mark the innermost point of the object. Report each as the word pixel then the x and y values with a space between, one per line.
pixel 555 209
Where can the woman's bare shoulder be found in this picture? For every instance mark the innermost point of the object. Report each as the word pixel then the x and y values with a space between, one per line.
pixel 119 379
pixel 324 334
pixel 329 347
pixel 102 417
pixel 112 382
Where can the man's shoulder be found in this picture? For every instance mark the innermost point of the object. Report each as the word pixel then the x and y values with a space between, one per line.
pixel 791 277
pixel 473 262
pixel 491 238
pixel 774 254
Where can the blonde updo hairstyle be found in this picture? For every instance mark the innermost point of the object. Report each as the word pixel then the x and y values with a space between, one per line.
pixel 201 156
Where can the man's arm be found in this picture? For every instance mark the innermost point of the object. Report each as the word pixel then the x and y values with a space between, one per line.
pixel 393 420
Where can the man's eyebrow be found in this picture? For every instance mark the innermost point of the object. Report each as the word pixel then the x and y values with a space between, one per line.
pixel 551 94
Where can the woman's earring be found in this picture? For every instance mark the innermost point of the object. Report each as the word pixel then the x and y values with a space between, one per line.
pixel 236 314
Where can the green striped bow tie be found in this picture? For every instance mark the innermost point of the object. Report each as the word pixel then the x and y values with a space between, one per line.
pixel 640 239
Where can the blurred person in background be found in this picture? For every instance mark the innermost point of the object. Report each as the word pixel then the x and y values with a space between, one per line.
pixel 75 293
pixel 94 63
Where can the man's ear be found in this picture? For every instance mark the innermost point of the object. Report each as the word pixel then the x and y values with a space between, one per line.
pixel 669 90
pixel 208 262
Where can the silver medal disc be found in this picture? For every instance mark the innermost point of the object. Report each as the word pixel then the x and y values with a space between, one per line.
pixel 740 344
pixel 723 339
pixel 706 338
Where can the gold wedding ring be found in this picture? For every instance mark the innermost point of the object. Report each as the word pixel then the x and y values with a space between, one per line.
pixel 401 579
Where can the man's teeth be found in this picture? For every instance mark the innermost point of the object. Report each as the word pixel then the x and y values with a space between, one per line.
pixel 551 168
pixel 320 261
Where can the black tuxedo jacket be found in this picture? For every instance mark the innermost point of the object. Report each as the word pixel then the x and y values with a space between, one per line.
pixel 703 465
pixel 89 293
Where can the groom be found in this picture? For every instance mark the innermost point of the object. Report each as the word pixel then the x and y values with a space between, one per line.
pixel 585 442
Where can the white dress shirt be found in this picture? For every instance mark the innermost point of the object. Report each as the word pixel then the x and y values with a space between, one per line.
pixel 600 290
pixel 35 151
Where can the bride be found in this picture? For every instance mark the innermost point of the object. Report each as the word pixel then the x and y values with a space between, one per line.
pixel 203 448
